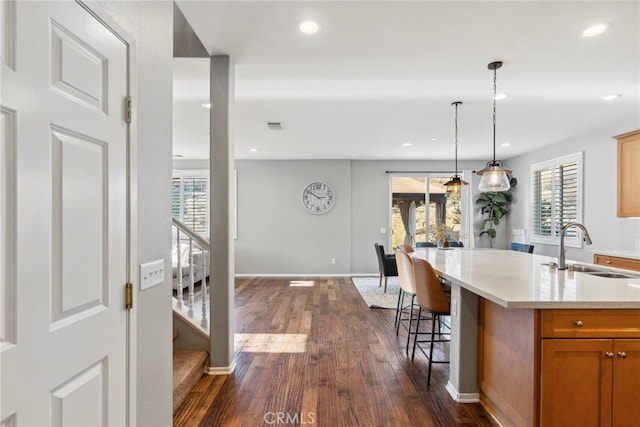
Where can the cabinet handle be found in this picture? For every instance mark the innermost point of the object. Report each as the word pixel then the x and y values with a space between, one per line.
pixel 622 354
pixel 609 354
pixel 578 323
pixel 608 262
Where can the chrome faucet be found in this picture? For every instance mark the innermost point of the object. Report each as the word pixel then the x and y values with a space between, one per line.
pixel 562 265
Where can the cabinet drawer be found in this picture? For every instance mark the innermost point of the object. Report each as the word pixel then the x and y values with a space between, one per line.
pixel 579 323
pixel 616 262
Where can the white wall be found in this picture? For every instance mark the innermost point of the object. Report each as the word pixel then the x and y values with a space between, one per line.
pixel 151 24
pixel 607 231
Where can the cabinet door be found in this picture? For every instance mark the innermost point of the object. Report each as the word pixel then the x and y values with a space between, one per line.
pixel 628 174
pixel 576 382
pixel 626 383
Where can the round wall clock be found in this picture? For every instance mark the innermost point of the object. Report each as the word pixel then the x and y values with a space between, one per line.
pixel 317 197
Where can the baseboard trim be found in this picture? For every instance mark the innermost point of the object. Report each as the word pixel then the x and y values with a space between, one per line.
pixel 462 397
pixel 220 370
pixel 299 275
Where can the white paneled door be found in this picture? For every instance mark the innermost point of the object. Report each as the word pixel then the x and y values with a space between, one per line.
pixel 63 187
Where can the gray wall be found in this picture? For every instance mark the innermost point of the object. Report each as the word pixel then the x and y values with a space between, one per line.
pixel 150 23
pixel 277 236
pixel 607 231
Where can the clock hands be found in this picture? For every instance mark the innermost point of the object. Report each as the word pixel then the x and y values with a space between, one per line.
pixel 315 195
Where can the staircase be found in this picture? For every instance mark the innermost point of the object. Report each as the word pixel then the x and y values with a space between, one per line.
pixel 188 368
pixel 191 338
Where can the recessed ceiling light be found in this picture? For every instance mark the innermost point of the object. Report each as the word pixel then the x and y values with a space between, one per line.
pixel 407 144
pixel 206 105
pixel 434 139
pixel 610 97
pixel 594 30
pixel 500 96
pixel 254 150
pixel 505 144
pixel 309 27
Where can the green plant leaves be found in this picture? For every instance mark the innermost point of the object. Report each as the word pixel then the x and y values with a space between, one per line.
pixel 495 205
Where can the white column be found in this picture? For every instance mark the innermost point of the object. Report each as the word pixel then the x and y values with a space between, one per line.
pixel 463 351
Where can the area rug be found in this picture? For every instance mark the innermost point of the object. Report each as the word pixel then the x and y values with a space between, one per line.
pixel 373 294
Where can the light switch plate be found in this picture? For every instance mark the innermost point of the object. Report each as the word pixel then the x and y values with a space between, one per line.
pixel 151 274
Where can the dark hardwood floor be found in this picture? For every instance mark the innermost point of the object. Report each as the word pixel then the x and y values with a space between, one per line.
pixel 317 355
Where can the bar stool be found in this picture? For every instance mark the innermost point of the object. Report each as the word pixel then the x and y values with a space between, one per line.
pixel 431 297
pixel 407 281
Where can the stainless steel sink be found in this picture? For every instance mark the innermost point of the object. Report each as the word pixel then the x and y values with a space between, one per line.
pixel 586 269
pixel 613 275
pixel 602 272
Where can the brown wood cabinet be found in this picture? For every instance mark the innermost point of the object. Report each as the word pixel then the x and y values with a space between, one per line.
pixel 628 174
pixel 617 262
pixel 560 367
pixel 593 380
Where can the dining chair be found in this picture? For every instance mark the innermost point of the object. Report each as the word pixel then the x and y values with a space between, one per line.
pixel 521 247
pixel 454 244
pixel 386 265
pixel 405 248
pixel 430 297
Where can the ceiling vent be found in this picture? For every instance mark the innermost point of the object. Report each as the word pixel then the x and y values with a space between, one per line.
pixel 275 125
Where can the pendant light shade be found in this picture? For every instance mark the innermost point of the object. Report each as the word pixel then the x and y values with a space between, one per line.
pixel 494 176
pixel 455 184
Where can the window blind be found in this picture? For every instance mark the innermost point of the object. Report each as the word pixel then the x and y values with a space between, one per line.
pixel 189 202
pixel 556 199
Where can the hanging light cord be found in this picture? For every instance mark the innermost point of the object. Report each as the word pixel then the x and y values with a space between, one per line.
pixel 456 134
pixel 494 114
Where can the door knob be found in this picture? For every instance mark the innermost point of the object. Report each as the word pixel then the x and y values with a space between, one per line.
pixel 622 354
pixel 609 355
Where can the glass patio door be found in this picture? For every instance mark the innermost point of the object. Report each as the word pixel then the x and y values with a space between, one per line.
pixel 420 207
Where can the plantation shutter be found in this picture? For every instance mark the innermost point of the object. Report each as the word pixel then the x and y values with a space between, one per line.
pixel 542 202
pixel 566 197
pixel 556 199
pixel 189 202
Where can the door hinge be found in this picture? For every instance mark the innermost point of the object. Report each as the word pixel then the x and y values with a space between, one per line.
pixel 128 296
pixel 128 109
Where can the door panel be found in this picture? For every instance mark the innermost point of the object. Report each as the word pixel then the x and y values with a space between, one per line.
pixel 626 383
pixel 575 387
pixel 65 100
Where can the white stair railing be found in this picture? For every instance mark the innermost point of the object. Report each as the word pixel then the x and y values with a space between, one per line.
pixel 187 239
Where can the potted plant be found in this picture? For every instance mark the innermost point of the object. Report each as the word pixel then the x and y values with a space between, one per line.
pixel 494 206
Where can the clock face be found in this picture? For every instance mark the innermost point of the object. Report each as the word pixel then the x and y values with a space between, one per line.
pixel 317 197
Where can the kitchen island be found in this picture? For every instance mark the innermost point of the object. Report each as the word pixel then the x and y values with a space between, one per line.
pixel 538 346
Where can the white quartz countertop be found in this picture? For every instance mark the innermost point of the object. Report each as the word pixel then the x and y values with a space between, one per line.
pixel 521 280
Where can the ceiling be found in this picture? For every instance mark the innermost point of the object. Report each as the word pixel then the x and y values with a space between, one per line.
pixel 379 74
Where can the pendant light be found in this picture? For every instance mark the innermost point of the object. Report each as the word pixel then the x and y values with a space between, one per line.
pixel 455 183
pixel 494 176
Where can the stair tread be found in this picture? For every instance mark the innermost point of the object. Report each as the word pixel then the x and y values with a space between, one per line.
pixel 186 360
pixel 188 367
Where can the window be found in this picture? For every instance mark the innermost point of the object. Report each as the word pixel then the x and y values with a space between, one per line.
pixel 190 200
pixel 419 206
pixel 556 199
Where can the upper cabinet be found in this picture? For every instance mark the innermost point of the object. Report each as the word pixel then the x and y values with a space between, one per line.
pixel 628 173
